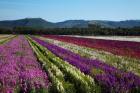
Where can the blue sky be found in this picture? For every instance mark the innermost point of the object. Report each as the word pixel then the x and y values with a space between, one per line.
pixel 60 10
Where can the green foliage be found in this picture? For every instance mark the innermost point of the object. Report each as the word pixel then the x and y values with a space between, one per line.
pixel 124 63
pixel 42 90
pixel 69 79
pixel 91 30
pixel 59 85
pixel 7 39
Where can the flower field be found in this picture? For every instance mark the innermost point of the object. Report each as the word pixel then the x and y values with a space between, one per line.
pixel 124 48
pixel 66 64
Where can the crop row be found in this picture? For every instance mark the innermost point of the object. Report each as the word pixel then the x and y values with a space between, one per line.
pixel 19 69
pixel 110 78
pixel 4 36
pixel 40 65
pixel 124 48
pixel 4 39
pixel 65 78
pixel 120 62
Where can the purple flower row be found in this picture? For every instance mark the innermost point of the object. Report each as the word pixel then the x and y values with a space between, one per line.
pixel 112 79
pixel 19 69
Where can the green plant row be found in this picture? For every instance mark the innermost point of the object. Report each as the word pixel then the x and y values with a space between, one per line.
pixel 7 39
pixel 57 85
pixel 124 63
pixel 65 77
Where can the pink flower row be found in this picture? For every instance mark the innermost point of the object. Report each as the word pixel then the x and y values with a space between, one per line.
pixel 19 69
pixel 123 48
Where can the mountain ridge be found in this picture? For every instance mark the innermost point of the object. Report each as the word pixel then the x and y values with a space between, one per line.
pixel 41 23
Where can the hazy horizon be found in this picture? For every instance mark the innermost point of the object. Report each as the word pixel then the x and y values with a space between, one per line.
pixel 67 20
pixel 61 10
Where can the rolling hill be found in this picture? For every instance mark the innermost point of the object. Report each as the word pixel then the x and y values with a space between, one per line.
pixel 43 24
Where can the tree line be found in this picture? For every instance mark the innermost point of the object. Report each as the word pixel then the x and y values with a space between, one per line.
pixel 91 30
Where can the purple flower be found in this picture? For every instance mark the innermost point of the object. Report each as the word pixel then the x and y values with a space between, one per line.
pixel 112 79
pixel 19 67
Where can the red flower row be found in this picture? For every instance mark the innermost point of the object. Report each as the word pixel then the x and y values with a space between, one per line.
pixel 123 48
